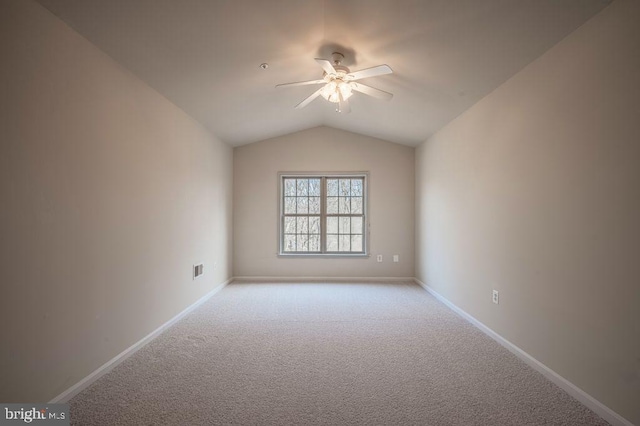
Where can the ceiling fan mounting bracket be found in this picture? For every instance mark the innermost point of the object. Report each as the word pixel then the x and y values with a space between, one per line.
pixel 337 58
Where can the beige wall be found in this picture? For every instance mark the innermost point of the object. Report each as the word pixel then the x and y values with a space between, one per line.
pixel 535 192
pixel 323 149
pixel 109 194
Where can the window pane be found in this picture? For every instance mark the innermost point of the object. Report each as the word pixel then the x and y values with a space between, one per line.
pixel 345 243
pixel 332 205
pixel 345 187
pixel 303 242
pixel 356 243
pixel 332 225
pixel 303 205
pixel 290 205
pixel 332 243
pixel 314 225
pixel 332 187
pixel 303 225
pixel 344 225
pixel 314 187
pixel 303 187
pixel 345 207
pixel 314 205
pixel 290 187
pixel 356 205
pixel 314 242
pixel 289 243
pixel 356 187
pixel 356 225
pixel 289 225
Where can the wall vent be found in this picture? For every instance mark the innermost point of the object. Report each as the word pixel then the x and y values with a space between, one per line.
pixel 198 270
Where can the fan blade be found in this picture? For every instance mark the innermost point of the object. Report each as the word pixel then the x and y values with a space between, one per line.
pixel 370 72
pixel 372 91
pixel 301 83
pixel 343 105
pixel 326 66
pixel 308 100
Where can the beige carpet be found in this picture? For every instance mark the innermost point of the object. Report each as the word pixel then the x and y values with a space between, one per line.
pixel 330 354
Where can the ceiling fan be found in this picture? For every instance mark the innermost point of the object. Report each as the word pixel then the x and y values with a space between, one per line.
pixel 339 83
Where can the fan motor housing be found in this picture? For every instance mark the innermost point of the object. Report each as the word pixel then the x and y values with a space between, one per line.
pixel 341 68
pixel 341 72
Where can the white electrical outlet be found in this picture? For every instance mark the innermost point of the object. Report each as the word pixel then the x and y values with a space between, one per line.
pixel 495 297
pixel 379 258
pixel 396 258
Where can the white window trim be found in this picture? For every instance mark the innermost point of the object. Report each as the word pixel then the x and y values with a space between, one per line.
pixel 366 234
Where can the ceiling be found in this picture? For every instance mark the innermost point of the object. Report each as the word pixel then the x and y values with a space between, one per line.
pixel 204 56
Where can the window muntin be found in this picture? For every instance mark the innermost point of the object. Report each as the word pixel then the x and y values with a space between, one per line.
pixel 323 214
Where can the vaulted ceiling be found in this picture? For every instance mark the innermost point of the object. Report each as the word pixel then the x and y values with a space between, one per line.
pixel 204 56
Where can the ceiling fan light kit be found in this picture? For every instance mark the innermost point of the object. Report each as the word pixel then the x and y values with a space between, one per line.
pixel 339 83
pixel 333 91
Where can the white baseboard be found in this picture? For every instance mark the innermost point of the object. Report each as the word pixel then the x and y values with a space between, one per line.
pixel 115 361
pixel 596 406
pixel 320 279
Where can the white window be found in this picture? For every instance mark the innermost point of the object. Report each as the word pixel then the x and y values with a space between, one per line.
pixel 323 214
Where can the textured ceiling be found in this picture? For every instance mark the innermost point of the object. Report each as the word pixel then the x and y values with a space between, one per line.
pixel 204 56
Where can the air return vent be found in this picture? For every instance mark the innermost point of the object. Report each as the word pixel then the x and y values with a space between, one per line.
pixel 198 270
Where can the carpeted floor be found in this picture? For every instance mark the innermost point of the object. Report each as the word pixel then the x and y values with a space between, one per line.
pixel 330 354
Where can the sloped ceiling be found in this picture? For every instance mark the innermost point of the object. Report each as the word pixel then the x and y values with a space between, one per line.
pixel 204 56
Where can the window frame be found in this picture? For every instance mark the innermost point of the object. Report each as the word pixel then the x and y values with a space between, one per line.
pixel 323 176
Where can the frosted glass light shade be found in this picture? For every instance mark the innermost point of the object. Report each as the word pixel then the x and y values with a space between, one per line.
pixel 332 90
